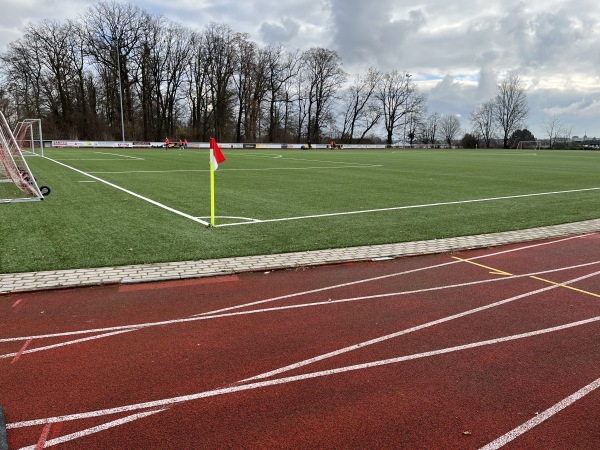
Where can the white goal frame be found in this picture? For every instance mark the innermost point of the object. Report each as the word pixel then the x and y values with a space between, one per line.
pixel 532 145
pixel 17 183
pixel 28 134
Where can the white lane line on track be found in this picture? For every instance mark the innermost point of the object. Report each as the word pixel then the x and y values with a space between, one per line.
pixel 407 331
pixel 361 345
pixel 63 344
pixel 307 376
pixel 542 417
pixel 327 302
pixel 96 429
pixel 391 275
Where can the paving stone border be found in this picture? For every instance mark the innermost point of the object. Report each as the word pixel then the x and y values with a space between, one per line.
pixel 32 281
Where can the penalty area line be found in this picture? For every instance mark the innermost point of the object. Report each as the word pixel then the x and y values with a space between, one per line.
pixel 127 191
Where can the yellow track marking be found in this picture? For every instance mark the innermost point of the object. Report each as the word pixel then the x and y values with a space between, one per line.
pixel 494 271
pixel 567 286
pixel 491 269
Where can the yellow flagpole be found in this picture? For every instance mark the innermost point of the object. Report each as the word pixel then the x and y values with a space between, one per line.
pixel 212 188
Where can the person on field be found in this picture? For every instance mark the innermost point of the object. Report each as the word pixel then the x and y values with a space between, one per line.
pixel 180 144
pixel 167 142
pixel 185 142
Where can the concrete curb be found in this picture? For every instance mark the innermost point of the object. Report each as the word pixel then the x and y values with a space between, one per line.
pixel 32 281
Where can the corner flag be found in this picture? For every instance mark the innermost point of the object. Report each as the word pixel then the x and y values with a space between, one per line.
pixel 216 158
pixel 215 154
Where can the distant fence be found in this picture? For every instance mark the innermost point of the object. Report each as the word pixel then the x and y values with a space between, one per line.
pixel 195 145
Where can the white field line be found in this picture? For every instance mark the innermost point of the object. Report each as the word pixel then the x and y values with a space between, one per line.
pixel 266 169
pixel 332 162
pixel 398 208
pixel 86 159
pixel 307 376
pixel 160 205
pixel 287 158
pixel 215 313
pixel 228 217
pixel 542 417
pixel 136 158
pixel 260 155
pixel 96 429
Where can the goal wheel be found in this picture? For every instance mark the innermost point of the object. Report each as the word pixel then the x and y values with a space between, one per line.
pixel 45 190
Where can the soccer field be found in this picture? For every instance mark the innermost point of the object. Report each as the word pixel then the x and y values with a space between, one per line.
pixel 128 206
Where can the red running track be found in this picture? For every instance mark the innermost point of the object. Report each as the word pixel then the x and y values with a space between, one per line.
pixel 482 349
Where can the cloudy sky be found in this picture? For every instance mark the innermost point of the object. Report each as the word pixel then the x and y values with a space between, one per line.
pixel 455 50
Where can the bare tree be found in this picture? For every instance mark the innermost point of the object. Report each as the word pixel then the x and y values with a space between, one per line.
pixel 114 34
pixel 449 127
pixel 415 121
pixel 198 76
pixel 245 82
pixel 510 106
pixel 555 129
pixel 483 122
pixel 399 96
pixel 281 68
pixel 324 77
pixel 23 71
pixel 362 110
pixel 565 135
pixel 430 128
pixel 218 41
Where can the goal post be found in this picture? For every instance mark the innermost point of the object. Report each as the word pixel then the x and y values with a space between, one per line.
pixel 535 145
pixel 17 184
pixel 28 134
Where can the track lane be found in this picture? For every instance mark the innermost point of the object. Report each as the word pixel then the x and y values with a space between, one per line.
pixel 184 358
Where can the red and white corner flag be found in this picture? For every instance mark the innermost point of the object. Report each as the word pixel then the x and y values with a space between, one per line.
pixel 216 158
pixel 215 154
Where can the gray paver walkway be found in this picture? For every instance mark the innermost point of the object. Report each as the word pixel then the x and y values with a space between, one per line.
pixel 31 281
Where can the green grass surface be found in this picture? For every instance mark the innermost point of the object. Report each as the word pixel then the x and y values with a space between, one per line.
pixel 86 223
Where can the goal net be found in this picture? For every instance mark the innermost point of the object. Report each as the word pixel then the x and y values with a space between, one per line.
pixel 28 134
pixel 16 181
pixel 536 145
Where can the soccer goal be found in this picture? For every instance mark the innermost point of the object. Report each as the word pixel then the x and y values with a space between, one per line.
pixel 28 134
pixel 16 181
pixel 536 145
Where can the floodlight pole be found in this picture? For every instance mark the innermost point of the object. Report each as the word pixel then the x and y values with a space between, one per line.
pixel 120 91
